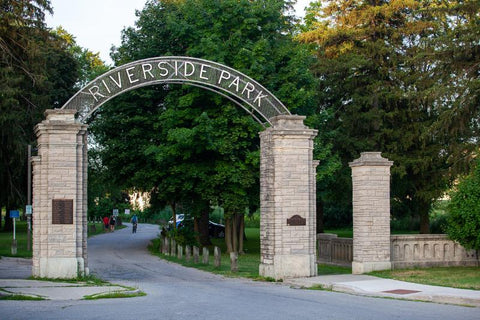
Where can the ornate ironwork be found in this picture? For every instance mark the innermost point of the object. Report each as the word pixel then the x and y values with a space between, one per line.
pixel 228 82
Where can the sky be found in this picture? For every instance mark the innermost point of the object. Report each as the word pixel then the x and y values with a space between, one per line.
pixel 97 24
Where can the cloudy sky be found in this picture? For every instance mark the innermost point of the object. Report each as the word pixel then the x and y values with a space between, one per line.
pixel 97 24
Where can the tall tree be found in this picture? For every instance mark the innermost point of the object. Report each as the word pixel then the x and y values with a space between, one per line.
pixel 35 73
pixel 384 83
pixel 193 144
pixel 464 212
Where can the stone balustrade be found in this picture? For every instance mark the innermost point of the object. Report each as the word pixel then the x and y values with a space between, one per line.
pixel 334 250
pixel 429 250
pixel 407 251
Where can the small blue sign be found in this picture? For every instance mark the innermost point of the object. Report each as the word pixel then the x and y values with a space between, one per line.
pixel 28 209
pixel 14 214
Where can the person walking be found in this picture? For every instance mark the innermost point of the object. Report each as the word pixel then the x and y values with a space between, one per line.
pixel 106 223
pixel 112 223
pixel 134 221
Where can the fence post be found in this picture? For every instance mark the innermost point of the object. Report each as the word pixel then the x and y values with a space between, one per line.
pixel 179 251
pixel 234 261
pixel 173 248
pixel 205 255
pixel 188 253
pixel 196 254
pixel 218 257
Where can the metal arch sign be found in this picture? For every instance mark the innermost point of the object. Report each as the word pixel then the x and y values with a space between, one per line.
pixel 236 86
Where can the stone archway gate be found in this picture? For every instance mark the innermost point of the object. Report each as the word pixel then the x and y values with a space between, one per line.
pixel 287 168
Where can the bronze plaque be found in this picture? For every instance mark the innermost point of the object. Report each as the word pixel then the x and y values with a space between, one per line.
pixel 62 211
pixel 296 220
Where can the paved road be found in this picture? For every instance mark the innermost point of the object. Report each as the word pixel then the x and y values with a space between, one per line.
pixel 175 292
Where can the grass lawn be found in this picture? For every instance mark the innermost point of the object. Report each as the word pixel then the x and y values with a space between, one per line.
pixel 21 237
pixel 455 277
pixel 341 233
pixel 6 239
pixel 247 263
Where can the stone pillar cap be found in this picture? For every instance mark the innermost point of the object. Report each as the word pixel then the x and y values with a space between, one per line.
pixel 288 122
pixel 370 159
pixel 64 115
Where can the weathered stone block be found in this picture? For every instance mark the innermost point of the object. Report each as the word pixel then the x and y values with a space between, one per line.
pixel 205 255
pixel 217 256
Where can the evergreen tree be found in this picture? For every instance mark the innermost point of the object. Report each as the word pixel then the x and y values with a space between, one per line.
pixel 384 84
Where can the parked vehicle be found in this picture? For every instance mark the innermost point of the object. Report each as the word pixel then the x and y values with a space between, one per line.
pixel 215 230
pixel 179 218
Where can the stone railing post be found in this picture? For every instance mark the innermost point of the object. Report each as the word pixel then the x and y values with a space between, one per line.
pixel 179 251
pixel 196 254
pixel 173 247
pixel 234 261
pixel 218 256
pixel 166 246
pixel 205 255
pixel 287 199
pixel 188 253
pixel 371 213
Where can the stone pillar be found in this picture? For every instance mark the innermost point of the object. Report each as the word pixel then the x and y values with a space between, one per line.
pixel 60 197
pixel 371 213
pixel 287 199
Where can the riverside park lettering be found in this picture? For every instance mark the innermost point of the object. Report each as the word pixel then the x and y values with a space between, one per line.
pixel 236 86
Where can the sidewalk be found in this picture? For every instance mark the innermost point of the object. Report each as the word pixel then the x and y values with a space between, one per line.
pixel 51 290
pixel 378 287
pixel 13 281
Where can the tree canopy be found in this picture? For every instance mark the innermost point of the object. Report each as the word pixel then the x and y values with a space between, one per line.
pixel 37 71
pixel 187 145
pixel 394 78
pixel 463 219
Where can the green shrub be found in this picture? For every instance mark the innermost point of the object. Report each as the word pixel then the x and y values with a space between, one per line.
pixel 184 236
pixel 406 223
pixel 463 218
pixel 438 223
pixel 253 221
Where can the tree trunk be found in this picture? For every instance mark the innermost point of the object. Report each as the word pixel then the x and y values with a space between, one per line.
pixel 424 223
pixel 424 213
pixel 202 225
pixel 320 228
pixel 241 232
pixel 234 233
pixel 228 234
pixel 8 221
pixel 174 215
